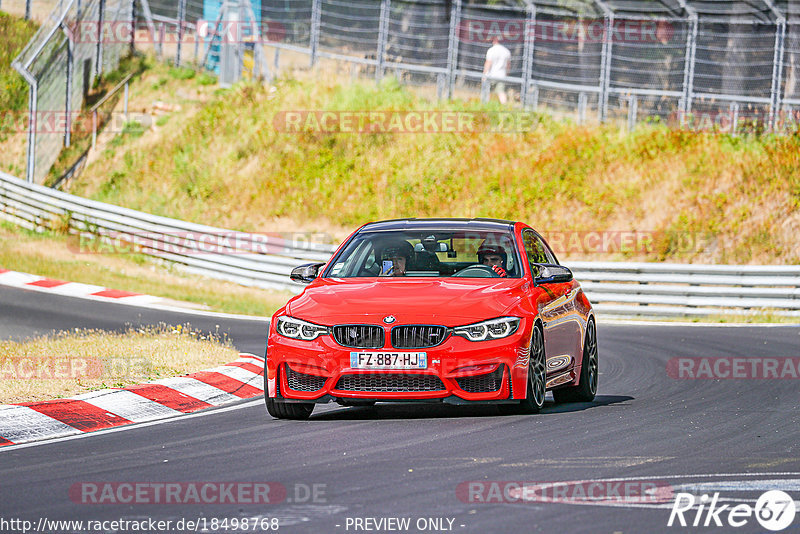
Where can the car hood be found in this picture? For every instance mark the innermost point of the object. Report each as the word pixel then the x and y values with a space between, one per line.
pixel 449 302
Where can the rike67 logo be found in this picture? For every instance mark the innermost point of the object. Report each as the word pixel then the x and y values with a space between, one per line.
pixel 774 510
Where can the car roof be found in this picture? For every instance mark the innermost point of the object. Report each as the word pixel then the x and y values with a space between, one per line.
pixel 439 224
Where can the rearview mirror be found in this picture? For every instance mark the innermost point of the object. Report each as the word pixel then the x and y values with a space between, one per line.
pixel 552 274
pixel 306 273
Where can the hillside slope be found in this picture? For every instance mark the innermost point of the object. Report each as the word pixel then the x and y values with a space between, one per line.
pixel 220 160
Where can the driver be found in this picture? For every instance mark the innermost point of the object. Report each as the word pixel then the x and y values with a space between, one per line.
pixel 399 254
pixel 493 256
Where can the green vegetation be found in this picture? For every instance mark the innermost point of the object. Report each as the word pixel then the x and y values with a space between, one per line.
pixel 13 88
pixel 230 166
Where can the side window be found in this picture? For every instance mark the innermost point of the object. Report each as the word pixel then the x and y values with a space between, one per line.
pixel 535 250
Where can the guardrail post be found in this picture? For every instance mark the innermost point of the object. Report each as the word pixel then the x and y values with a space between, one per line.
pixel 527 52
pixel 688 69
pixel 383 30
pixel 28 9
pixel 777 73
pixel 452 50
pixel 316 17
pixel 101 11
pixel 605 65
pixel 181 27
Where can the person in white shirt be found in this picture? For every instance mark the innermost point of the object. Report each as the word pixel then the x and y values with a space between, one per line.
pixel 496 66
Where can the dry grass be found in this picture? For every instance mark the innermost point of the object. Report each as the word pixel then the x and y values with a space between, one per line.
pixel 69 363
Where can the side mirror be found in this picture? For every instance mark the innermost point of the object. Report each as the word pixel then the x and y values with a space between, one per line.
pixel 306 273
pixel 552 274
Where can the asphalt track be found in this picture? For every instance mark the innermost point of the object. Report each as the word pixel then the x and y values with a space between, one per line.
pixel 738 437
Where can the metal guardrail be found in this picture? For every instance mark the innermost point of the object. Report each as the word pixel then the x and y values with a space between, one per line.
pixel 624 289
pixel 670 289
pixel 186 244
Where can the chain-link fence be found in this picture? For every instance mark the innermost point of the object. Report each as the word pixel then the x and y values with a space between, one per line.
pixel 717 64
pixel 78 41
pixel 694 63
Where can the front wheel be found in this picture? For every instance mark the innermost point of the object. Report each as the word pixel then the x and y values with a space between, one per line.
pixel 537 379
pixel 586 389
pixel 285 410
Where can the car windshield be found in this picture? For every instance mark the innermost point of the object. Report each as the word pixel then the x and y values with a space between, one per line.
pixel 431 253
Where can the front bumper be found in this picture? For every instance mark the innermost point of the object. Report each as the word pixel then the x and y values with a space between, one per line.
pixel 458 371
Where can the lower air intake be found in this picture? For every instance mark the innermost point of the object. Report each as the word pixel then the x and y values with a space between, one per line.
pixel 303 382
pixel 482 383
pixel 389 382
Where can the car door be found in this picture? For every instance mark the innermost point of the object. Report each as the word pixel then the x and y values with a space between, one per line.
pixel 557 308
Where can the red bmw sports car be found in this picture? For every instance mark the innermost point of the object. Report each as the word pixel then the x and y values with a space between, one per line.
pixel 457 311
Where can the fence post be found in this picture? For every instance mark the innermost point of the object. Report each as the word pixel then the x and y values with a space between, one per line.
pixel 68 91
pixel 133 27
pixel 734 118
pixel 28 9
pixel 98 66
pixel 316 8
pixel 688 68
pixel 383 31
pixel 452 49
pixel 33 99
pixel 777 73
pixel 582 100
pixel 633 105
pixel 527 48
pixel 181 26
pixel 605 65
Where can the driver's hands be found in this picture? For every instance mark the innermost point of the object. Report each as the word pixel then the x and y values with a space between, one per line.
pixel 500 271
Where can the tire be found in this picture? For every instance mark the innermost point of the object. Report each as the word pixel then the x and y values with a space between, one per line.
pixel 537 379
pixel 286 410
pixel 586 389
pixel 289 410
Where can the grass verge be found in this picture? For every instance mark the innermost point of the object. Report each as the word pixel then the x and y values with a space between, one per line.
pixel 47 367
pixel 58 256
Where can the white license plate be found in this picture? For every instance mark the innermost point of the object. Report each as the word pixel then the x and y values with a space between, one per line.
pixel 389 360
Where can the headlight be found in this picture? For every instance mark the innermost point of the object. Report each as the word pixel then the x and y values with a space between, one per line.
pixel 491 329
pixel 297 329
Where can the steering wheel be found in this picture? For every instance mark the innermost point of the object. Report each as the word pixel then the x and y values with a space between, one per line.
pixel 477 271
